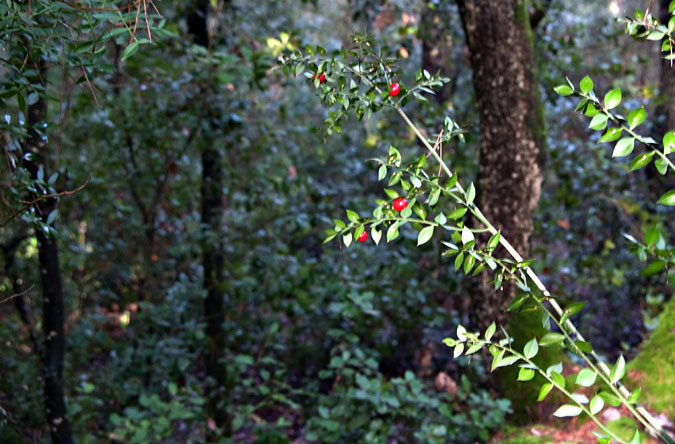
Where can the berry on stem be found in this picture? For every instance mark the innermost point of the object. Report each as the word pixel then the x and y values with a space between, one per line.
pixel 400 204
pixel 322 77
pixel 363 236
pixel 394 89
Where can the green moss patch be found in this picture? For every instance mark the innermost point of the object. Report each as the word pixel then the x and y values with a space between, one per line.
pixel 653 369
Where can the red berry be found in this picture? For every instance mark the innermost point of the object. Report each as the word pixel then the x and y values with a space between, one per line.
pixel 322 77
pixel 394 89
pixel 400 204
pixel 363 236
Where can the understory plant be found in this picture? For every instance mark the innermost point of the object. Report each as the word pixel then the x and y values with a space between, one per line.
pixel 362 81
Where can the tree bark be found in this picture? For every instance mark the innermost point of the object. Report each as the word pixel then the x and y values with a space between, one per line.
pixel 665 113
pixel 52 287
pixel 212 249
pixel 512 146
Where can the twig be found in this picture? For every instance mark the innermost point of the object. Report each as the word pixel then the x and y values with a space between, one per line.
pixel 17 295
pixel 28 204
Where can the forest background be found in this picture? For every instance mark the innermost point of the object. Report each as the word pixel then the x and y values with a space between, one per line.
pixel 166 189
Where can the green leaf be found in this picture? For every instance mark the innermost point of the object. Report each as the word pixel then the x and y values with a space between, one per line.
pixel 598 122
pixel 32 98
pixel 347 239
pixel 425 235
pixel 612 99
pixel 376 235
pixel 655 267
pixel 586 377
pixel 391 193
pixel 490 332
pixel 525 374
pixel 470 194
pixel 610 398
pixel 493 242
pixel 531 349
pixel 352 215
pixel 461 332
pixel 467 235
pixel 550 339
pixel 636 117
pixel 586 85
pixel 652 235
pixel 459 348
pixel 635 396
pixel 457 213
pixel 474 348
pixel 130 50
pixel 655 35
pixel 509 360
pixel 567 410
pixel 571 310
pixel 661 166
pixel 611 135
pixel 624 147
pixel 641 161
pixel 544 391
pixel 596 404
pixel 668 198
pixel 382 172
pixel 669 142
pixel 563 90
pixel 618 371
pixel 392 232
pixel 558 379
pixel 469 262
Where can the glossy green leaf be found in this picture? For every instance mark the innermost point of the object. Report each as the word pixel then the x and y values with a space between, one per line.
pixel 563 90
pixel 470 194
pixel 531 349
pixel 352 215
pixel 586 377
pixel 457 213
pixel 467 235
pixel 612 99
pixel 668 198
pixel 425 235
pixel 598 122
pixel 586 85
pixel 347 239
pixel 641 161
pixel 611 135
pixel 567 410
pixel 382 172
pixel 618 371
pixel 376 235
pixel 544 391
pixel 459 348
pixel 636 117
pixel 550 339
pixel 489 333
pixel 596 404
pixel 623 147
pixel 525 374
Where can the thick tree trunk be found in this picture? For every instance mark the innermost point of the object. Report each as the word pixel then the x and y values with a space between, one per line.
pixel 665 113
pixel 52 287
pixel 212 252
pixel 499 39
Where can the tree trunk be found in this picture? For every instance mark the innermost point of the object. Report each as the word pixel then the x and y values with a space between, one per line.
pixel 512 147
pixel 212 250
pixel 665 113
pixel 52 287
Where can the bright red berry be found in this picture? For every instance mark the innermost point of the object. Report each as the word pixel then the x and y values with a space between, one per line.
pixel 400 204
pixel 394 89
pixel 363 236
pixel 322 78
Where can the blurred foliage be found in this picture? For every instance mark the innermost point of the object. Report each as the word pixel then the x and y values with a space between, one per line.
pixel 325 343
